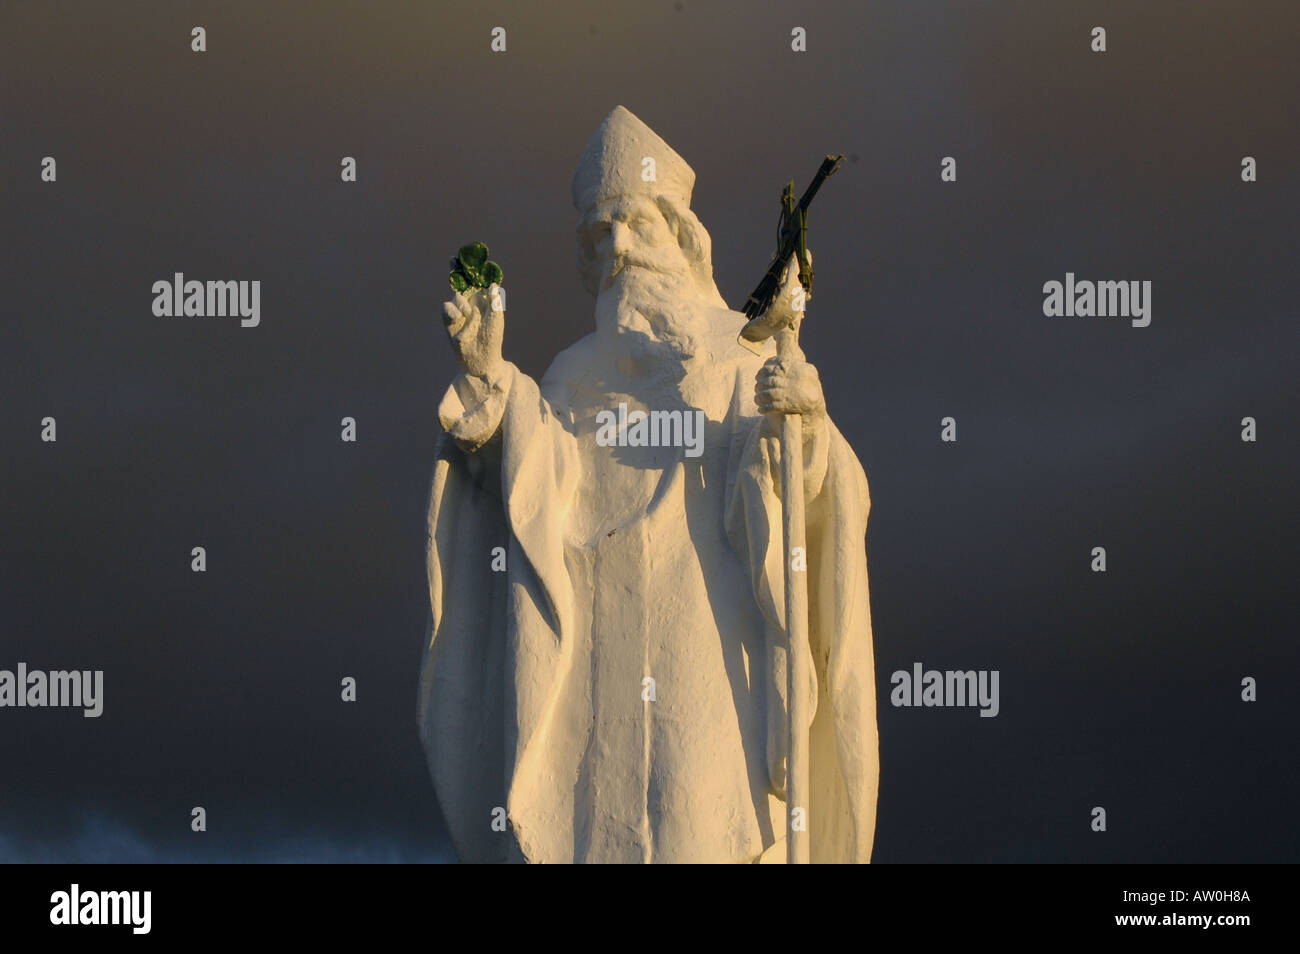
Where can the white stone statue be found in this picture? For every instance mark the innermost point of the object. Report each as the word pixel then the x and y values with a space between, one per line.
pixel 610 684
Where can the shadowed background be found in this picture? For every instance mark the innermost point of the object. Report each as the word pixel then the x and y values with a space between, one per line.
pixel 222 689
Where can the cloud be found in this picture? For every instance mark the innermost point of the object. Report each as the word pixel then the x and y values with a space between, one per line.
pixel 103 840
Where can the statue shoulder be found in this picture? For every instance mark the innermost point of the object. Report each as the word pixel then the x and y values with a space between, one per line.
pixel 724 342
pixel 570 364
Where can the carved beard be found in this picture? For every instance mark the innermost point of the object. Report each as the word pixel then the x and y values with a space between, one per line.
pixel 652 312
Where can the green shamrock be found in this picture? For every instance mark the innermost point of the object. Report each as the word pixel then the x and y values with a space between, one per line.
pixel 471 269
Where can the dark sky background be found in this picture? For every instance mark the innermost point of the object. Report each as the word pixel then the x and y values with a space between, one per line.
pixel 222 689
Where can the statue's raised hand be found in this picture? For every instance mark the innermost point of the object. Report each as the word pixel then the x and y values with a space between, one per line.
pixel 476 322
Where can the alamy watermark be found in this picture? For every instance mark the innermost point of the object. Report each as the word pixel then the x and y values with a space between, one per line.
pixel 75 906
pixel 680 428
pixel 194 299
pixel 1086 299
pixel 951 687
pixel 60 688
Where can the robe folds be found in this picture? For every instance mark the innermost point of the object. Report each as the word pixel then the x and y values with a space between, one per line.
pixel 615 686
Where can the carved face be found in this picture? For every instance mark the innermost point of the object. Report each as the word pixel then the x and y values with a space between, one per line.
pixel 625 234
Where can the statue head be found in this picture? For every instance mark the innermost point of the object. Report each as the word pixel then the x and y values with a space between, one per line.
pixel 633 192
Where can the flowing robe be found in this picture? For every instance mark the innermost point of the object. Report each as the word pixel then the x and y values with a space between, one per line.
pixel 617 689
